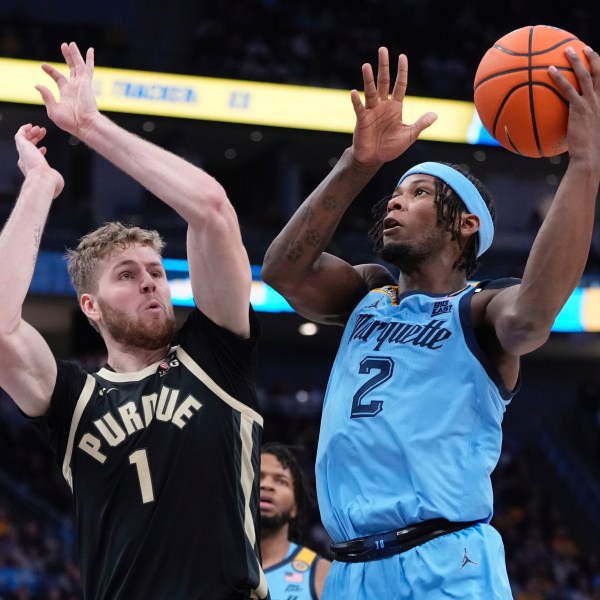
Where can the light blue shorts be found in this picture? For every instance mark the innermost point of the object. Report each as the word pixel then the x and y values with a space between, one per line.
pixel 465 565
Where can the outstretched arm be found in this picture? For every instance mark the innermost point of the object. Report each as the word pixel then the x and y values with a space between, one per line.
pixel 319 285
pixel 523 315
pixel 219 265
pixel 28 372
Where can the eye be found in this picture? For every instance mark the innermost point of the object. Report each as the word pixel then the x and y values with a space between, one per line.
pixel 157 274
pixel 126 275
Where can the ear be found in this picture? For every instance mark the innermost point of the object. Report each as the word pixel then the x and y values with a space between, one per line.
pixel 89 306
pixel 294 511
pixel 469 225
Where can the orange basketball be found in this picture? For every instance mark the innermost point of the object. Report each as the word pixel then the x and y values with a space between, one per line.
pixel 518 102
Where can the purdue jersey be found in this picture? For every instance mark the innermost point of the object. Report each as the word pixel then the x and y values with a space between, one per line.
pixel 294 577
pixel 411 425
pixel 163 465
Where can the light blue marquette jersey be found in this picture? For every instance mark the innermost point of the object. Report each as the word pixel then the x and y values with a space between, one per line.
pixel 411 426
pixel 294 577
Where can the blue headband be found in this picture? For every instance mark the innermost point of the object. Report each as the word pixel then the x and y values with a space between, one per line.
pixel 468 194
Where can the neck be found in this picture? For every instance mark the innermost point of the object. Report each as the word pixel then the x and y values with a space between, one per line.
pixel 130 360
pixel 439 277
pixel 274 545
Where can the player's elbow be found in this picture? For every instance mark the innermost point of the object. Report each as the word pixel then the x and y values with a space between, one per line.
pixel 9 323
pixel 274 272
pixel 211 206
pixel 520 334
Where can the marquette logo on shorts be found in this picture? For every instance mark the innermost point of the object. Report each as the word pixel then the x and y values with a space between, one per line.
pixel 441 307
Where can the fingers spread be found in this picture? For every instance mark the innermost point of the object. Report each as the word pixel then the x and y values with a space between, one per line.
pixel 47 95
pixel 356 102
pixel 58 77
pixel 401 79
pixel 370 89
pixel 383 74
pixel 89 59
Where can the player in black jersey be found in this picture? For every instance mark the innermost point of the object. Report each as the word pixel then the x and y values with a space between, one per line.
pixel 161 446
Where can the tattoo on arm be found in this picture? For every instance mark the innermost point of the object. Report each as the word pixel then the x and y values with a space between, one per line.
pixel 294 251
pixel 307 215
pixel 312 237
pixel 330 203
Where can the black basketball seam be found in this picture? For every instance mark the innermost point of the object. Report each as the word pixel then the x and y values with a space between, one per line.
pixel 519 70
pixel 510 141
pixel 506 98
pixel 537 52
pixel 536 135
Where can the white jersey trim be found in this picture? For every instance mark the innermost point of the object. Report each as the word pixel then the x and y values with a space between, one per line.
pixel 82 402
pixel 240 407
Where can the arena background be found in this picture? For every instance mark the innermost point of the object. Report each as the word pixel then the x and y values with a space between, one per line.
pixel 548 480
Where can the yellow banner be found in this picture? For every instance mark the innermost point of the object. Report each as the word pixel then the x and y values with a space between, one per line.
pixel 212 99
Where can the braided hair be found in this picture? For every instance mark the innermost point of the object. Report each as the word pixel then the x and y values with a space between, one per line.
pixel 450 207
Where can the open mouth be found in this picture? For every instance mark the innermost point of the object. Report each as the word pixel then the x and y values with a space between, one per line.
pixel 389 224
pixel 154 305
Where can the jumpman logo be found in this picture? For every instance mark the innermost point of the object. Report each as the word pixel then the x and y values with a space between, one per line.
pixel 374 305
pixel 466 560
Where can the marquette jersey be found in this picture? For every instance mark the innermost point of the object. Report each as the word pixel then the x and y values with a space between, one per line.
pixel 411 425
pixel 163 465
pixel 294 577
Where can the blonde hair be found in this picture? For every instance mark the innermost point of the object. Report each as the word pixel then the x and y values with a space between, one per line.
pixel 84 260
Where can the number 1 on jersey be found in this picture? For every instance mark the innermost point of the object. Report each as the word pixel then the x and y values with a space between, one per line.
pixel 139 458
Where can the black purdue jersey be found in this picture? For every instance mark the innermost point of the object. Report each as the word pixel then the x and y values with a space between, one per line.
pixel 164 467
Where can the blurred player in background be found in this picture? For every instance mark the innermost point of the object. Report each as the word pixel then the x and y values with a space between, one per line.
pixel 161 445
pixel 411 424
pixel 292 570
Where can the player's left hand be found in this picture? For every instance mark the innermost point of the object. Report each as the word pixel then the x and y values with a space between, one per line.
pixel 77 106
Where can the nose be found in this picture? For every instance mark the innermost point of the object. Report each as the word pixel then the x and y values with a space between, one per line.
pixel 265 484
pixel 395 203
pixel 147 284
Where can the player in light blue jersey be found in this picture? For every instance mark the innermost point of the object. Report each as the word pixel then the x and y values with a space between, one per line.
pixel 293 571
pixel 411 425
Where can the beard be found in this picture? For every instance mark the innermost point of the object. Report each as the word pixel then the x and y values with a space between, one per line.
pixel 270 525
pixel 410 256
pixel 135 331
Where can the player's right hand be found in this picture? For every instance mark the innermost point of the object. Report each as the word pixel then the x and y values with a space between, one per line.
pixel 76 108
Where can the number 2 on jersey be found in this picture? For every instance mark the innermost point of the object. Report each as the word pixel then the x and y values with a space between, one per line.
pixel 384 367
pixel 139 458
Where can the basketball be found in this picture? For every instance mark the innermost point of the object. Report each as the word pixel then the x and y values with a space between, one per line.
pixel 516 98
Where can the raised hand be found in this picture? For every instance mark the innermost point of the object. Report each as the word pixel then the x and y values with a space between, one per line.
pixel 583 132
pixel 380 134
pixel 32 157
pixel 76 107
